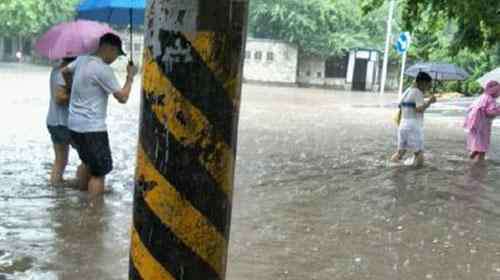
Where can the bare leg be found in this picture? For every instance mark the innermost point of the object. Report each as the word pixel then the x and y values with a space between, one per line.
pixel 479 157
pixel 419 159
pixel 61 160
pixel 398 155
pixel 473 155
pixel 96 185
pixel 83 176
pixel 482 156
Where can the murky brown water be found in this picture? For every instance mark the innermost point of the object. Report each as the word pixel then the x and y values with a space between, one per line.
pixel 315 196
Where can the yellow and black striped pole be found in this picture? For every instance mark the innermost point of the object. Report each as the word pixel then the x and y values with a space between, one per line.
pixel 187 144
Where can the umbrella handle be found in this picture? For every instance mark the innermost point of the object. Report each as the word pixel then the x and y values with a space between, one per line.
pixel 131 38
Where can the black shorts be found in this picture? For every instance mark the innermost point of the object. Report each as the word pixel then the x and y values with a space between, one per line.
pixel 59 134
pixel 94 151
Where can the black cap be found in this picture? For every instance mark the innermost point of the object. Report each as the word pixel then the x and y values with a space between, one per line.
pixel 423 77
pixel 113 40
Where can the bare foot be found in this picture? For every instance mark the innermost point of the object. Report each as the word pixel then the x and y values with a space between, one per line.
pixel 396 158
pixel 419 160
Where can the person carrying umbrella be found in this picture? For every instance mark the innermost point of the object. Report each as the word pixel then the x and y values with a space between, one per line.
pixel 410 130
pixel 479 120
pixel 57 121
pixel 63 42
pixel 93 82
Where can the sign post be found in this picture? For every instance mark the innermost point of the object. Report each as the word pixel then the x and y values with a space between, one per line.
pixel 401 46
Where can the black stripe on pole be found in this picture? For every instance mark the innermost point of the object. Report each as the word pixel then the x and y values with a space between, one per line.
pixel 215 18
pixel 180 166
pixel 190 75
pixel 164 246
pixel 133 273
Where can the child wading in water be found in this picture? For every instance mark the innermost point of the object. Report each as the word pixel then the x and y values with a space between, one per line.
pixel 410 130
pixel 479 121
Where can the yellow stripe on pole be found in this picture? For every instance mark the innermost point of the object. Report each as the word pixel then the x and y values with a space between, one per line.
pixel 189 225
pixel 146 265
pixel 208 44
pixel 192 129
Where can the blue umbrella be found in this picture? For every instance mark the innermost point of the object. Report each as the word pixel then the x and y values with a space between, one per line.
pixel 115 12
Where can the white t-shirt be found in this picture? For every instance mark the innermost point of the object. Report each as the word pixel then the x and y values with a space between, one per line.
pixel 93 82
pixel 410 100
pixel 58 114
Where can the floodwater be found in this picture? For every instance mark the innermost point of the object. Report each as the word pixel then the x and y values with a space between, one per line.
pixel 315 196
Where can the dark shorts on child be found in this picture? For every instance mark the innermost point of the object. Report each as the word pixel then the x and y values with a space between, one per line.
pixel 94 151
pixel 60 135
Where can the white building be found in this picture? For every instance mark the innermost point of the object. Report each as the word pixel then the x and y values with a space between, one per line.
pixel 271 61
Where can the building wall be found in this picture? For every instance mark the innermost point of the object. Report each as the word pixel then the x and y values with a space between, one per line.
pixel 10 45
pixel 282 68
pixel 311 71
pixel 339 83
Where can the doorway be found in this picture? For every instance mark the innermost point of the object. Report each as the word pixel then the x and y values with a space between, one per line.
pixel 360 71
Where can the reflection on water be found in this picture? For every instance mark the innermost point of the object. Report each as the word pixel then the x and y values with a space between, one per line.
pixel 315 195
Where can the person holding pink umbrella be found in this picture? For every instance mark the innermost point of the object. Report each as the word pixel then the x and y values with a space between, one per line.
pixel 93 82
pixel 479 120
pixel 57 121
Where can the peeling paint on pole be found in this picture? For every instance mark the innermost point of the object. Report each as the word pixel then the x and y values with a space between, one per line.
pixel 187 146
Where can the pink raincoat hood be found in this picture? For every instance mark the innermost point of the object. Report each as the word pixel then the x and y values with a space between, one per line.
pixel 492 89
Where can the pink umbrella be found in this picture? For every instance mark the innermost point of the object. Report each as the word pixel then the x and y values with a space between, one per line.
pixel 70 39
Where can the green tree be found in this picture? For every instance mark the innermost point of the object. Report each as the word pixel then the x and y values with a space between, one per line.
pixel 434 40
pixel 477 21
pixel 320 27
pixel 30 17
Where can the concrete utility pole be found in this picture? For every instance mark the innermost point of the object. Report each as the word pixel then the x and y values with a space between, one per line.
pixel 187 144
pixel 387 46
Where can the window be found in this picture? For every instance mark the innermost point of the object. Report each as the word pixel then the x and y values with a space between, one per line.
pixel 336 66
pixel 319 74
pixel 258 55
pixel 308 73
pixel 248 55
pixel 270 56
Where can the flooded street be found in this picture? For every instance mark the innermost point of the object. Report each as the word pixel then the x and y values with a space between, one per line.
pixel 315 196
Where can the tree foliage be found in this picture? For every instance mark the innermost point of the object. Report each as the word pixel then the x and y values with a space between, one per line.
pixel 321 27
pixel 434 39
pixel 477 21
pixel 29 17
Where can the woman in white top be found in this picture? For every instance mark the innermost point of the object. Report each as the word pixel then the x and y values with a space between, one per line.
pixel 410 130
pixel 57 121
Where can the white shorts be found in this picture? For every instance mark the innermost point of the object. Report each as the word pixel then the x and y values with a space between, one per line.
pixel 411 136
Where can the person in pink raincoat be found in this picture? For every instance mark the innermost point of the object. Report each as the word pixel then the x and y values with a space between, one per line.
pixel 479 120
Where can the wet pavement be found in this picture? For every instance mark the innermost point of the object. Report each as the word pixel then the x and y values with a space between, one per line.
pixel 315 196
